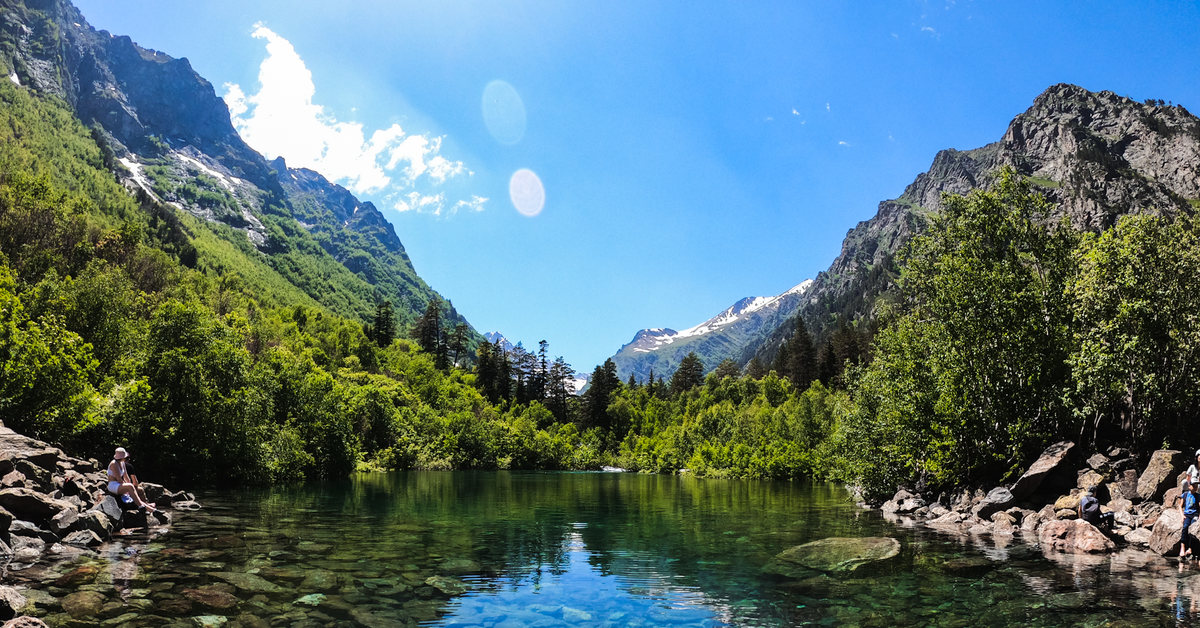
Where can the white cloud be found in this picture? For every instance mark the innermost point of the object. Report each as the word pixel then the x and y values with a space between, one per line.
pixel 826 106
pixel 929 29
pixel 843 143
pixel 475 204
pixel 795 112
pixel 281 119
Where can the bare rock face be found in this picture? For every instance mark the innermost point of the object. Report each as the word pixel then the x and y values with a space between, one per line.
pixel 1074 536
pixel 1096 155
pixel 1160 473
pixel 1051 461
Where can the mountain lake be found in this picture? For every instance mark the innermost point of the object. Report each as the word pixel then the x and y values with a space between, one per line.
pixel 585 549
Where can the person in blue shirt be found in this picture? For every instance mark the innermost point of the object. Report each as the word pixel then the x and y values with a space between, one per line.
pixel 1189 507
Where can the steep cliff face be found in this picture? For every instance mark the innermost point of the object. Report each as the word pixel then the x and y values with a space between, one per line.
pixel 171 139
pixel 1096 155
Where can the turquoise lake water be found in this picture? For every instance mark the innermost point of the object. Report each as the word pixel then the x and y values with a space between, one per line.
pixel 580 549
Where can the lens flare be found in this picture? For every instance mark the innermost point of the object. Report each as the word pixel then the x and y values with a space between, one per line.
pixel 526 191
pixel 503 112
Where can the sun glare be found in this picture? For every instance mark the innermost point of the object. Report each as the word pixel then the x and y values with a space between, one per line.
pixel 504 112
pixel 526 191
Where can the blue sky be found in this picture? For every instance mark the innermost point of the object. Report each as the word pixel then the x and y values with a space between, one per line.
pixel 689 154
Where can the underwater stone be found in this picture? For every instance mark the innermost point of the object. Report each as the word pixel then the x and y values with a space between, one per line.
pixel 833 554
pixel 447 585
pixel 83 604
pixel 248 582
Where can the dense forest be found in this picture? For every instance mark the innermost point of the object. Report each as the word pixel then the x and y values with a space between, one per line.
pixel 123 321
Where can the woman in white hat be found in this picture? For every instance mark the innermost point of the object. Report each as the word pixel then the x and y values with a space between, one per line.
pixel 119 482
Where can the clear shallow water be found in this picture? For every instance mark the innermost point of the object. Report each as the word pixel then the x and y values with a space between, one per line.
pixel 546 549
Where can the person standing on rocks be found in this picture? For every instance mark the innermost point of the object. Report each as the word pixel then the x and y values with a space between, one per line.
pixel 1193 472
pixel 1189 508
pixel 118 480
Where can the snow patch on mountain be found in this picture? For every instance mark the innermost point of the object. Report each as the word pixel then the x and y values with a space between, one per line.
pixel 653 339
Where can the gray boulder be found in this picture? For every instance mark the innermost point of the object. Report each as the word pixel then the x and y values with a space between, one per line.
pixel 83 538
pixel 11 602
pixel 109 508
pixel 1159 474
pixel 31 505
pixel 1050 462
pixel 997 499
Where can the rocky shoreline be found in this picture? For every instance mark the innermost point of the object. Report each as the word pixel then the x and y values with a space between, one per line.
pixel 54 506
pixel 1042 505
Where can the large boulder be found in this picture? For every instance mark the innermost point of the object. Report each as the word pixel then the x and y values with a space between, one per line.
pixel 997 499
pixel 902 503
pixel 1159 474
pixel 109 508
pixel 1051 461
pixel 94 521
pixel 1164 538
pixel 31 505
pixel 833 555
pixel 1074 536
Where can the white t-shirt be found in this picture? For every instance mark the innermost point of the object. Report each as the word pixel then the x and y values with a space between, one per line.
pixel 1193 474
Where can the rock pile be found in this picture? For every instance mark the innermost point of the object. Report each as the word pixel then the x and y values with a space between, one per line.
pixel 1043 503
pixel 51 503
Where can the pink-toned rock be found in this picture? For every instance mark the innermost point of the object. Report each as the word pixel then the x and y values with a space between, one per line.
pixel 1074 536
pixel 1167 530
pixel 1140 536
pixel 1051 460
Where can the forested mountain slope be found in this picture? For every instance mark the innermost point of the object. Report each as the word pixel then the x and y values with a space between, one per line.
pixel 168 136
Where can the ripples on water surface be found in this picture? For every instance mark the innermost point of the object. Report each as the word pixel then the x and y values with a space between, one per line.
pixel 546 549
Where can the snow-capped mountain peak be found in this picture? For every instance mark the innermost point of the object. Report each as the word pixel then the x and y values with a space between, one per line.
pixel 652 339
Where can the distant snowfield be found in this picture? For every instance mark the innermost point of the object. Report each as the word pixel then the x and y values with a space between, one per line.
pixel 659 337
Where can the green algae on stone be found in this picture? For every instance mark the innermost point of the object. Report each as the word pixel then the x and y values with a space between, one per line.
pixel 835 554
pixel 248 582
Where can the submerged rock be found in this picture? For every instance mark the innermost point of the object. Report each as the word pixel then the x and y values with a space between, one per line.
pixel 833 554
pixel 447 585
pixel 248 582
pixel 83 604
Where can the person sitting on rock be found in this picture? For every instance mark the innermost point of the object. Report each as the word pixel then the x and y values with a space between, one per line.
pixel 1089 511
pixel 1189 507
pixel 133 478
pixel 119 483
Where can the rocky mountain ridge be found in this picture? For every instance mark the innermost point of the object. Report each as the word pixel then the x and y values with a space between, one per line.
pixel 1096 155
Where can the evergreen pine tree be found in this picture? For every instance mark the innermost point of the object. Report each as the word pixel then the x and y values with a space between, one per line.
pixel 689 375
pixel 383 329
pixel 802 358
